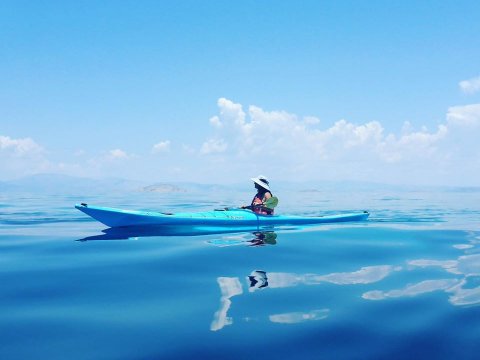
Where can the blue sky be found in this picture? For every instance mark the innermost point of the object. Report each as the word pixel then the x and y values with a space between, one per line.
pixel 219 91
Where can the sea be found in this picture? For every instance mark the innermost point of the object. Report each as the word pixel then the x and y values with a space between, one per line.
pixel 405 284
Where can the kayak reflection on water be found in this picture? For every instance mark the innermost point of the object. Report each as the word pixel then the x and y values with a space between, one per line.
pixel 261 238
pixel 130 232
pixel 264 238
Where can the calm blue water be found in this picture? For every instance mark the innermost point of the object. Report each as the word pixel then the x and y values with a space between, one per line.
pixel 405 284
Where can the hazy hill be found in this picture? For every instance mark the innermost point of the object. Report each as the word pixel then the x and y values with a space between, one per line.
pixel 63 184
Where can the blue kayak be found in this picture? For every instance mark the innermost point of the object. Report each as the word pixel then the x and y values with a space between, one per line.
pixel 229 217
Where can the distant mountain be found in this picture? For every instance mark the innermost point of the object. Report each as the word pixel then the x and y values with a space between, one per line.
pixel 322 186
pixel 64 184
pixel 6 186
pixel 186 187
pixel 70 185
pixel 354 186
pixel 162 188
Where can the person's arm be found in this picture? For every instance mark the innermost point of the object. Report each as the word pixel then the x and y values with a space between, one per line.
pixel 251 205
pixel 267 196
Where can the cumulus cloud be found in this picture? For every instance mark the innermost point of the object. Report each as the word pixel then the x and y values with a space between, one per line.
pixel 410 145
pixel 108 162
pixel 117 154
pixel 467 115
pixel 161 147
pixel 470 86
pixel 252 139
pixel 279 132
pixel 231 112
pixel 22 156
pixel 79 152
pixel 213 146
pixel 215 122
pixel 311 120
pixel 20 147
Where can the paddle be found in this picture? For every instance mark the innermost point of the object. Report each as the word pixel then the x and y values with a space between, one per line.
pixel 271 202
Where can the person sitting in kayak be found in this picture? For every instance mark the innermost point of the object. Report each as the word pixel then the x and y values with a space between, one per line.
pixel 263 200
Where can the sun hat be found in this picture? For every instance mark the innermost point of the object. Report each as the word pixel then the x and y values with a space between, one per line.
pixel 262 181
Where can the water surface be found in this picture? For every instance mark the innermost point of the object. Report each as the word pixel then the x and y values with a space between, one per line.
pixel 405 284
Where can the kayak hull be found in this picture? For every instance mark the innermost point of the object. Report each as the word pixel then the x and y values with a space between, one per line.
pixel 238 217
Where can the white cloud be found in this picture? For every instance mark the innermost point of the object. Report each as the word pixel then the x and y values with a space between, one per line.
pixel 411 145
pixel 282 134
pixel 161 147
pixel 303 148
pixel 110 162
pixel 470 86
pixel 79 152
pixel 215 122
pixel 20 157
pixel 117 154
pixel 20 147
pixel 350 135
pixel 230 111
pixel 213 146
pixel 311 120
pixel 251 140
pixel 467 115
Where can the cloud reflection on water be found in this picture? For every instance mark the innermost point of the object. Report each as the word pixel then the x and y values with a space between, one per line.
pixel 298 317
pixel 462 285
pixel 466 269
pixel 229 286
pixel 258 279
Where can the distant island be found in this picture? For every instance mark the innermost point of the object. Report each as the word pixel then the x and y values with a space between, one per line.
pixel 162 188
pixel 79 186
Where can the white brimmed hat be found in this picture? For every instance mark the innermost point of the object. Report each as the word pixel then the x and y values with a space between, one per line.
pixel 262 181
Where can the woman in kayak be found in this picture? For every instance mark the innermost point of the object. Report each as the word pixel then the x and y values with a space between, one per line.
pixel 261 197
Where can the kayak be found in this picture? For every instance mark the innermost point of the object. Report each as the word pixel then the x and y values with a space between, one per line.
pixel 229 217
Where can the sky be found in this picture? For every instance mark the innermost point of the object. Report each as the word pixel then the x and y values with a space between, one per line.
pixel 221 91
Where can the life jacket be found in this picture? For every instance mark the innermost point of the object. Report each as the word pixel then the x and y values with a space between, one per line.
pixel 257 205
